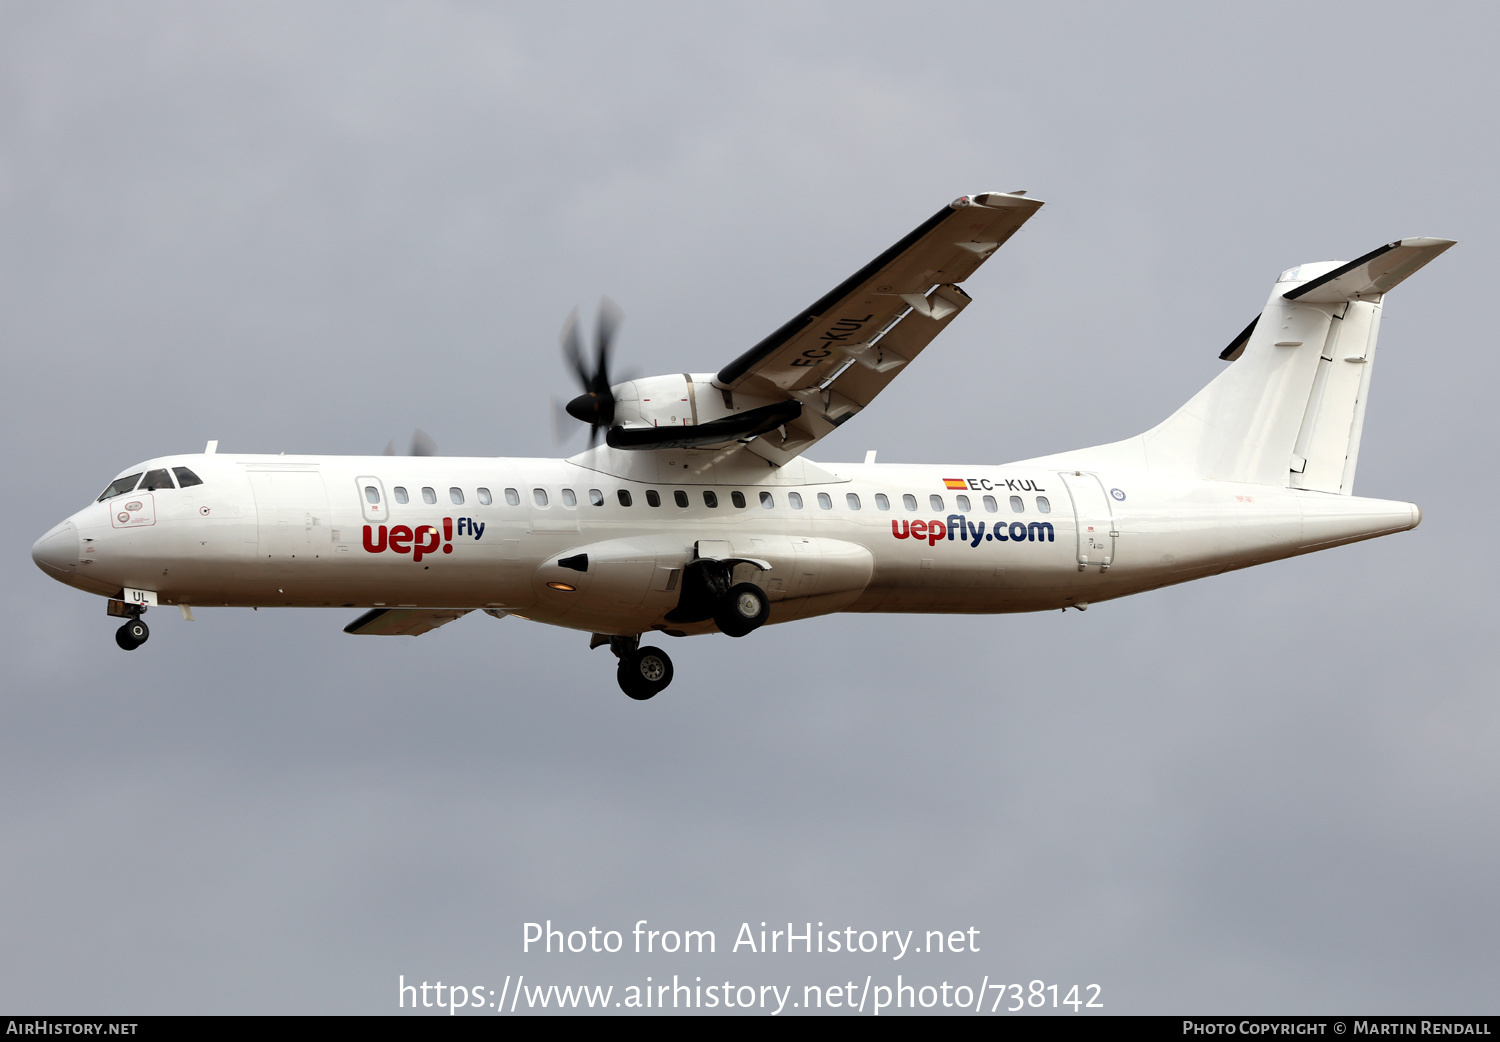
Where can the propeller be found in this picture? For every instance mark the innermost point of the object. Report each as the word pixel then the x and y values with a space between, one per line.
pixel 596 405
pixel 421 445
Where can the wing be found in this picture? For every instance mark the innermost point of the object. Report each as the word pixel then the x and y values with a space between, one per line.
pixel 836 355
pixel 412 622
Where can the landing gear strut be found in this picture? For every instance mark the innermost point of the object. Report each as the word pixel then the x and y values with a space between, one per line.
pixel 643 672
pixel 134 633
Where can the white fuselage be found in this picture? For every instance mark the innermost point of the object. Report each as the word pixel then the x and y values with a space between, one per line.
pixel 304 531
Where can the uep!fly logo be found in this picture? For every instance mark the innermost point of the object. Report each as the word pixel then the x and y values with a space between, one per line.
pixel 420 542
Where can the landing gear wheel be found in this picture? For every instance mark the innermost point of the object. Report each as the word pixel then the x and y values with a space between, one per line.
pixel 744 608
pixel 132 635
pixel 644 673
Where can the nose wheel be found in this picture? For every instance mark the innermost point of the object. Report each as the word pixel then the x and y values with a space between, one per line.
pixel 132 635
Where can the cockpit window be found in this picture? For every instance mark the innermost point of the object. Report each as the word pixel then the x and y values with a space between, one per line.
pixel 156 479
pixel 186 477
pixel 119 486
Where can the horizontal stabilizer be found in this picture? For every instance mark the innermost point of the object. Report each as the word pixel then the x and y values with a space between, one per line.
pixel 411 622
pixel 1371 275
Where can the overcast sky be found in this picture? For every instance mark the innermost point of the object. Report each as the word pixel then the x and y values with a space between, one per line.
pixel 313 227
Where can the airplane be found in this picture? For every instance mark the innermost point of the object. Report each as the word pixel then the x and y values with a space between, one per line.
pixel 700 512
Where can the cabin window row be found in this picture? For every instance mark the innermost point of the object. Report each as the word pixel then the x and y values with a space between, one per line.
pixel 767 500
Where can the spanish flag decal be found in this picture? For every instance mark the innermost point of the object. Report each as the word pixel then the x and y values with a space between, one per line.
pixel 955 483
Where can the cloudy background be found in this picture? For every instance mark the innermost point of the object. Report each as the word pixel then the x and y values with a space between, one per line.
pixel 311 228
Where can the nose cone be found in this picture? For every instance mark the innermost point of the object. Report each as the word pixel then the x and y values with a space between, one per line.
pixel 56 553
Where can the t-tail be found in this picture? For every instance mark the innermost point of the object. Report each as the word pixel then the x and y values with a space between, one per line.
pixel 1290 408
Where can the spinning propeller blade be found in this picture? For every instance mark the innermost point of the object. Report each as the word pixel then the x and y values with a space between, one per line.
pixel 596 405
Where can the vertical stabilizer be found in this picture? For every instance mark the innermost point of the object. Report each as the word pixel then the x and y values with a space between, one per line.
pixel 1290 408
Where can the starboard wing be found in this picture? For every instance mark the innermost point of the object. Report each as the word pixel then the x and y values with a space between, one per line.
pixel 837 354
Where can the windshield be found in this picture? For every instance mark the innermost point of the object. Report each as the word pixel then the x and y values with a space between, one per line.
pixel 119 486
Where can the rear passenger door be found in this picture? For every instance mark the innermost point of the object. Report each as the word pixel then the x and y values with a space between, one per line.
pixel 1094 519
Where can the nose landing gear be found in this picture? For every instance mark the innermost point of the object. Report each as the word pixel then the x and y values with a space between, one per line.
pixel 134 633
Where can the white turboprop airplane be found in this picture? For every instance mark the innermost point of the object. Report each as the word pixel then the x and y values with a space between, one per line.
pixel 699 513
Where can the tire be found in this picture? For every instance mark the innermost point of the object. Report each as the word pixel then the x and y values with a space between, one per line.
pixel 644 673
pixel 743 610
pixel 125 636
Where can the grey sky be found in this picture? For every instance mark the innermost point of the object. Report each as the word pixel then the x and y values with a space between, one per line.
pixel 311 228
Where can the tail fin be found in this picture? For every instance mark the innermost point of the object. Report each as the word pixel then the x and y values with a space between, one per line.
pixel 1290 408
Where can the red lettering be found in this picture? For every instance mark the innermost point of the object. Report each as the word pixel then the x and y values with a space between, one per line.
pixel 900 530
pixel 374 548
pixel 422 546
pixel 401 539
pixel 448 535
pixel 919 529
pixel 935 531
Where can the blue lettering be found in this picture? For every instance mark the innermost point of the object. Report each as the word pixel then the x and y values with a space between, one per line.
pixel 461 522
pixel 1017 531
pixel 955 527
pixel 977 531
pixel 1037 529
pixel 476 528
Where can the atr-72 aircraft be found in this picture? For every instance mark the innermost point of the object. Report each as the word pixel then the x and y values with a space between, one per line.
pixel 699 513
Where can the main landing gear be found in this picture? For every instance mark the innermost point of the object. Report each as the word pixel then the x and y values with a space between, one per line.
pixel 134 633
pixel 643 672
pixel 737 610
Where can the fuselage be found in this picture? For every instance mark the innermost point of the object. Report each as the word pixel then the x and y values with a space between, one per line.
pixel 489 533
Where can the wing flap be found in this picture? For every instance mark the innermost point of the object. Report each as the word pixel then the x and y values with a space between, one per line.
pixel 410 622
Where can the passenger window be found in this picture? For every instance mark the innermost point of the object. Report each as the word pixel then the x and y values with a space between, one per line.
pixel 399 493
pixel 652 499
pixel 457 495
pixel 990 504
pixel 429 496
pixel 795 499
pixel 596 497
pixel 569 499
pixel 882 501
pixel 119 487
pixel 766 500
pixel 710 500
pixel 513 497
pixel 1043 505
pixel 186 478
pixel 963 503
pixel 1016 505
pixel 935 501
pixel 680 498
pixel 909 501
pixel 624 497
pixel 155 480
pixel 852 499
pixel 540 496
pixel 738 499
pixel 372 494
pixel 484 497
pixel 825 502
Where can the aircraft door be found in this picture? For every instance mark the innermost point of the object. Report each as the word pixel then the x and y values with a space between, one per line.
pixel 292 506
pixel 372 502
pixel 1093 519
